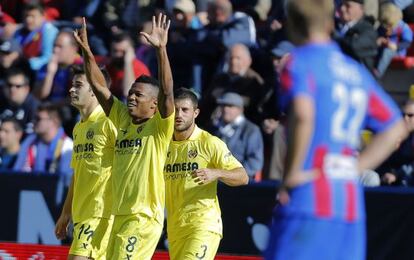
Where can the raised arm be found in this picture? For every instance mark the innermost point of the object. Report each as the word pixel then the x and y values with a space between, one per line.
pixel 94 75
pixel 158 39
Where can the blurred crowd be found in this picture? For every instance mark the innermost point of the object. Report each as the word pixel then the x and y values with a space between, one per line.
pixel 230 53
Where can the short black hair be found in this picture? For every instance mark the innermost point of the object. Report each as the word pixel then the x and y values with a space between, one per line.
pixel 185 93
pixel 52 109
pixel 15 71
pixel 34 5
pixel 148 80
pixel 78 69
pixel 122 36
pixel 16 124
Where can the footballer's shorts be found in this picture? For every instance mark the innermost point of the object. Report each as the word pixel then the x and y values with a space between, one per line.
pixel 90 237
pixel 133 237
pixel 197 245
pixel 299 237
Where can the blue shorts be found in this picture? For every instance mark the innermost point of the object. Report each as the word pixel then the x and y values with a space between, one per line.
pixel 298 237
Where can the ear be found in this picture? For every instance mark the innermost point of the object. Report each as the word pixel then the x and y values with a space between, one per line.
pixel 196 112
pixel 155 102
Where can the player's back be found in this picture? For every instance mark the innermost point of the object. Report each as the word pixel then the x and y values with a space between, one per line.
pixel 345 98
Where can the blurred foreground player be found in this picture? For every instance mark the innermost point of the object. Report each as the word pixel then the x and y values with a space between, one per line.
pixel 330 98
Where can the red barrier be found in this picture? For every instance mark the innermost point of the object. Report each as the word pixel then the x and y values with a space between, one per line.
pixel 9 251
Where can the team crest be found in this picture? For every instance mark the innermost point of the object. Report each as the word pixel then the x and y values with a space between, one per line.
pixel 139 129
pixel 90 134
pixel 192 154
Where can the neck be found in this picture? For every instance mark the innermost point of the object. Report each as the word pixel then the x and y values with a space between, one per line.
pixel 87 110
pixel 184 135
pixel 13 149
pixel 318 37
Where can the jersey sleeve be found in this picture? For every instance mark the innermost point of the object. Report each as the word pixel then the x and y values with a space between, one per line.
pixel 295 80
pixel 221 157
pixel 165 126
pixel 119 113
pixel 382 111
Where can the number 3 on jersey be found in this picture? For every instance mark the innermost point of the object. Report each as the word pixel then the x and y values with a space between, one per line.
pixel 348 116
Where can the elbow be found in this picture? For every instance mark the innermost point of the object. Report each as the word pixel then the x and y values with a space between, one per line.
pixel 245 178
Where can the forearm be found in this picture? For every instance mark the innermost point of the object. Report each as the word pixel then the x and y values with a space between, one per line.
pixel 97 81
pixel 129 77
pixel 235 177
pixel 300 133
pixel 165 98
pixel 44 89
pixel 382 146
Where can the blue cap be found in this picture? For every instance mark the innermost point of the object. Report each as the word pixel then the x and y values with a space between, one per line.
pixel 282 48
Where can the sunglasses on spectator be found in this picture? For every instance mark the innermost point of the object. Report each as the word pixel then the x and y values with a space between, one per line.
pixel 10 85
pixel 408 114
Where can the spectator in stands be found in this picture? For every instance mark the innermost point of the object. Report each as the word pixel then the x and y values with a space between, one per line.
pixel 123 66
pixel 241 79
pixel 11 56
pixel 49 150
pixel 395 36
pixel 225 29
pixel 54 79
pixel 11 133
pixel 7 25
pixel 274 130
pixel 19 102
pixel 36 36
pixel 398 169
pixel 184 25
pixel 356 35
pixel 242 136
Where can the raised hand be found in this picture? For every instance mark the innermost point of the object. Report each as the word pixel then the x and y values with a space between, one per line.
pixel 81 36
pixel 159 34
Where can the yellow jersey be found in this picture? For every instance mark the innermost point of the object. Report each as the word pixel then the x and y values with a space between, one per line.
pixel 191 206
pixel 139 157
pixel 93 146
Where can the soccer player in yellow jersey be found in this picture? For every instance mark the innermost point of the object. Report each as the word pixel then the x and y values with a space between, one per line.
pixel 88 202
pixel 196 161
pixel 145 127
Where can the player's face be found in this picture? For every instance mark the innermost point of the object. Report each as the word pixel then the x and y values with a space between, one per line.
pixel 141 101
pixel 80 91
pixel 185 114
pixel 9 136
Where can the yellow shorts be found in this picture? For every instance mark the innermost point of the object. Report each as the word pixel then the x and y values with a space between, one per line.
pixel 198 245
pixel 90 237
pixel 133 237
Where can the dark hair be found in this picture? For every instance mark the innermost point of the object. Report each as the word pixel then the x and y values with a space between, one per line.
pixel 78 69
pixel 122 36
pixel 34 5
pixel 16 124
pixel 52 109
pixel 148 80
pixel 185 93
pixel 15 71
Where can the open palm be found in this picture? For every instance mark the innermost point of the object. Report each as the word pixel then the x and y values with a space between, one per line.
pixel 159 34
